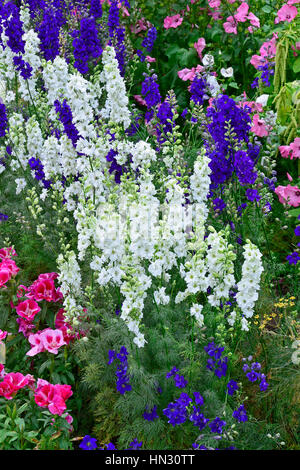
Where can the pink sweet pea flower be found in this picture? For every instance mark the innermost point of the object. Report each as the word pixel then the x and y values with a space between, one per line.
pixel 28 309
pixel 3 335
pixel 242 12
pixel 295 148
pixel 7 252
pixel 25 327
pixel 52 340
pixel 268 49
pixel 288 195
pixel 2 371
pixel 230 25
pixel 257 61
pixel 5 276
pixel 172 21
pixel 13 382
pixel 286 13
pixel 214 3
pixel 285 151
pixel 259 127
pixel 52 396
pixel 253 20
pixel 140 100
pixel 37 344
pixel 199 46
pixel 150 59
pixel 9 264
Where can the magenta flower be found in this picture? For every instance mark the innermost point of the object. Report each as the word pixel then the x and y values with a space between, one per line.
pixel 172 21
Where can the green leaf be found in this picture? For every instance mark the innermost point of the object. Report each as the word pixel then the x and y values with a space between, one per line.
pixel 296 65
pixel 266 9
pixel 295 212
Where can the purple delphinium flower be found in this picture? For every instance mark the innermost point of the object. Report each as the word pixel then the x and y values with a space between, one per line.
pixel 252 376
pixel 198 419
pixel 3 120
pixel 219 204
pixel 152 415
pixel 88 443
pixel 150 91
pixel 252 195
pixel 172 372
pixel 297 231
pixel 135 445
pixel 179 381
pixel 232 386
pixel 293 258
pixel 216 425
pixel 240 414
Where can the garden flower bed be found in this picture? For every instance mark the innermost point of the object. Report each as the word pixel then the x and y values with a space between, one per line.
pixel 149 225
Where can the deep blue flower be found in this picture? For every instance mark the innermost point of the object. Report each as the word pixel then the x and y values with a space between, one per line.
pixel 3 216
pixel 252 195
pixel 199 400
pixel 240 414
pixel 263 385
pixel 297 231
pixel 135 445
pixel 232 386
pixel 293 258
pixel 219 204
pixel 88 443
pixel 3 120
pixel 149 40
pixel 48 33
pixel 150 91
pixel 179 381
pixel 216 425
pixel 252 376
pixel 198 418
pixel 172 372
pixel 152 415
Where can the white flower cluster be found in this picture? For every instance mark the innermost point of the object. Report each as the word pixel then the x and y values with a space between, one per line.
pixel 248 287
pixel 116 106
pixel 220 266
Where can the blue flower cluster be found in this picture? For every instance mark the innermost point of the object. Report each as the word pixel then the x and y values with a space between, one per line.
pixel 150 91
pixel 179 380
pixel 216 363
pixel 37 166
pixel 65 117
pixel 23 67
pixel 148 43
pixel 240 414
pixel 86 44
pixel 3 120
pixel 198 90
pixel 96 9
pixel 122 383
pixel 224 158
pixel 3 216
pixel 48 33
pixel 13 28
pixel 152 415
pixel 253 373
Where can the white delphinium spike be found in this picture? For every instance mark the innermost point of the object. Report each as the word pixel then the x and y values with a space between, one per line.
pixel 248 287
pixel 69 274
pixel 200 182
pixel 34 137
pixel 196 310
pixel 220 266
pixel 116 106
